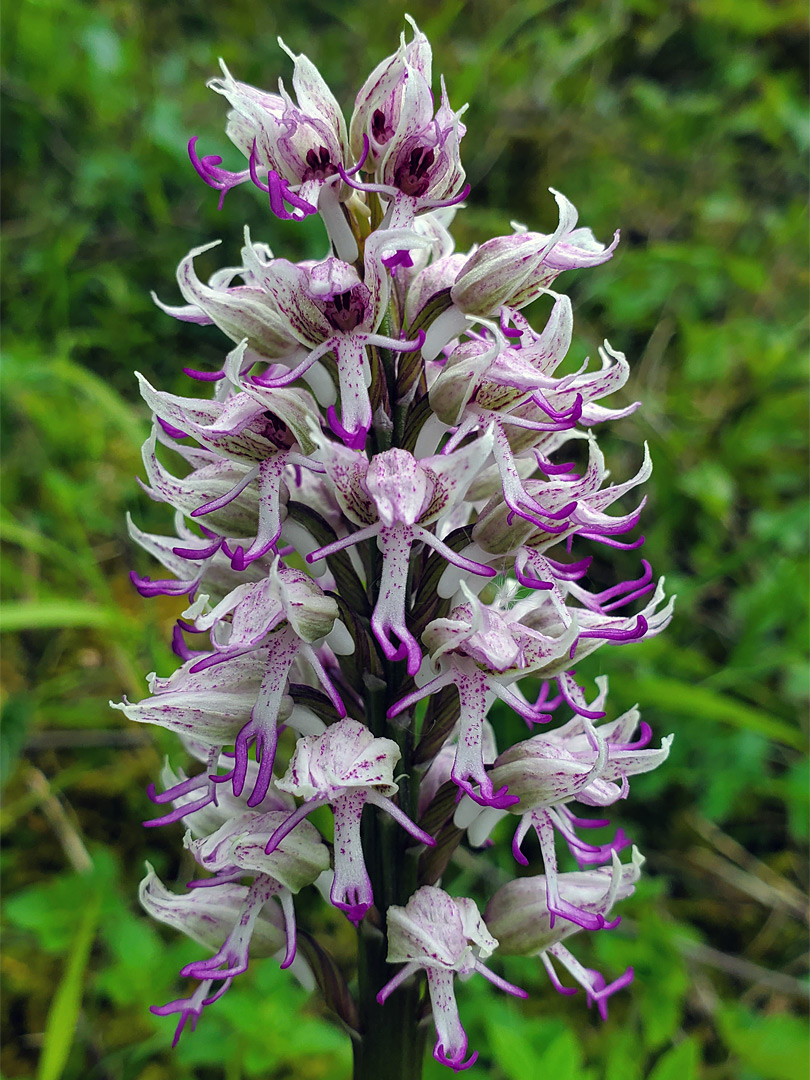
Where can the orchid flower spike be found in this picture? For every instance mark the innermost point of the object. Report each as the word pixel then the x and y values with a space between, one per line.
pixel 390 509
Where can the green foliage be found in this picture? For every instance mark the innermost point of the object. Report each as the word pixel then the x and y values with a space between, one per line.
pixel 682 122
pixel 773 1047
pixel 263 1027
pixel 679 1063
pixel 64 1011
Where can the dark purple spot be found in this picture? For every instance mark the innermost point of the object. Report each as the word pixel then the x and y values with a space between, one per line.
pixel 346 310
pixel 380 128
pixel 319 165
pixel 411 176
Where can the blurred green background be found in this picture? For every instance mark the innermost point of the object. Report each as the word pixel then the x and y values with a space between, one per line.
pixel 682 122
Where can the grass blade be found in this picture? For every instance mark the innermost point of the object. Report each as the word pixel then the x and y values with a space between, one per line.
pixel 64 1011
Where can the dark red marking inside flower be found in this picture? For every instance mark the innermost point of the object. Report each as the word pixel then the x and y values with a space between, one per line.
pixel 411 176
pixel 380 128
pixel 319 165
pixel 346 310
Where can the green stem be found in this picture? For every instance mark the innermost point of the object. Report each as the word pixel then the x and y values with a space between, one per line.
pixel 391 1044
pixel 392 1041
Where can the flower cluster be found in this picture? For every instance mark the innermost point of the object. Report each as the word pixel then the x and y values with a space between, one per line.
pixel 365 512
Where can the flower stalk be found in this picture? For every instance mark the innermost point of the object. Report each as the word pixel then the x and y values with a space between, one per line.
pixel 392 1038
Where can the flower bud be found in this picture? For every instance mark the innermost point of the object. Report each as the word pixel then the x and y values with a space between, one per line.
pixel 514 270
pixel 207 916
pixel 395 96
pixel 518 912
pixel 240 842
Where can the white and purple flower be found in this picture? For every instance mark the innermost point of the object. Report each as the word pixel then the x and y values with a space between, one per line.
pixel 345 767
pixel 444 937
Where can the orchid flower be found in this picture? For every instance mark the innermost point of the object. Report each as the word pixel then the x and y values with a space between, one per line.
pixel 396 95
pixel 417 155
pixel 478 650
pixel 297 147
pixel 347 768
pixel 208 916
pixel 263 429
pixel 520 915
pixel 444 937
pixel 330 310
pixel 404 496
pixel 576 762
pixel 511 271
pixel 244 913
